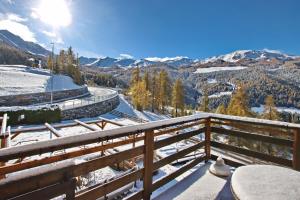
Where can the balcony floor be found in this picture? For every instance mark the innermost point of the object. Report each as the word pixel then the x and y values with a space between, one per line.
pixel 200 184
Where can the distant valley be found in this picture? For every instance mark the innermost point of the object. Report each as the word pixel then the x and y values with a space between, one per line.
pixel 263 72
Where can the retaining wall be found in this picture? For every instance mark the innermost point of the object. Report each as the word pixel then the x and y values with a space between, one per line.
pixel 91 110
pixel 42 97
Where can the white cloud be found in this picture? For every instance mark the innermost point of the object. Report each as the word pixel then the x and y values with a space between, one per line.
pixel 127 56
pixel 50 34
pixel 15 17
pixel 12 23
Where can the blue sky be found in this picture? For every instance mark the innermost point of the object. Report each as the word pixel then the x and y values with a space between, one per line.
pixel 161 28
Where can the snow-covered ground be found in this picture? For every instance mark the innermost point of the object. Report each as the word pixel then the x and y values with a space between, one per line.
pixel 216 69
pixel 260 109
pixel 211 80
pixel 19 79
pixel 220 94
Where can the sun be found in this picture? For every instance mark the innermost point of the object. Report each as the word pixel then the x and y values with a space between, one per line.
pixel 53 12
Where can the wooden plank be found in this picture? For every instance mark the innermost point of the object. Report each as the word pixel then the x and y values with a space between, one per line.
pixel 135 196
pixel 42 128
pixel 296 150
pixel 12 188
pixel 4 124
pixel 50 191
pixel 253 136
pixel 53 130
pixel 255 121
pixel 148 164
pixel 176 138
pixel 164 180
pixel 55 158
pixel 254 154
pixel 106 188
pixel 170 130
pixel 177 155
pixel 111 122
pixel 207 138
pixel 85 125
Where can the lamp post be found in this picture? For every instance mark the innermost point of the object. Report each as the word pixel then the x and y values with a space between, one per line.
pixel 51 73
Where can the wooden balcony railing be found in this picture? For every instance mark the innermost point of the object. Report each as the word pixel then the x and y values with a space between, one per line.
pixel 270 142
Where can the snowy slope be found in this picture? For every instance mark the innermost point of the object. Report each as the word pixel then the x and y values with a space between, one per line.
pixel 250 54
pixel 130 62
pixel 18 79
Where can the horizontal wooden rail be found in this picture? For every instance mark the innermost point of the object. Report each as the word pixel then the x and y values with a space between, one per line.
pixel 101 190
pixel 90 137
pixel 12 188
pixel 177 155
pixel 253 136
pixel 177 138
pixel 254 154
pixel 55 158
pixel 162 181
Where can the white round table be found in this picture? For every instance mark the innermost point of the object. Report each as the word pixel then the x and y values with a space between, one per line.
pixel 265 182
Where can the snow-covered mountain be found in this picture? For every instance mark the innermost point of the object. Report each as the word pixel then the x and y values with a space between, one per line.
pixel 250 55
pixel 17 42
pixel 129 62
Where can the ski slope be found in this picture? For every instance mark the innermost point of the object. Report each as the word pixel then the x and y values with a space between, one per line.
pixel 20 79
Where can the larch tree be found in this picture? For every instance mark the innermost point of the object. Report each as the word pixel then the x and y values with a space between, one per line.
pixel 164 90
pixel 238 104
pixel 204 103
pixel 221 109
pixel 140 96
pixel 135 76
pixel 178 97
pixel 270 111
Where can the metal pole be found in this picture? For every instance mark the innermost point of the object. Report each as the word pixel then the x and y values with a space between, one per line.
pixel 51 73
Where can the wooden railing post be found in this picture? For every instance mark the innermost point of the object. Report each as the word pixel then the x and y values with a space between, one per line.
pixel 296 150
pixel 207 138
pixel 148 164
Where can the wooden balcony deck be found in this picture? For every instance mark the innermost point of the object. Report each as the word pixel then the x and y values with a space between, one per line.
pixel 200 184
pixel 58 172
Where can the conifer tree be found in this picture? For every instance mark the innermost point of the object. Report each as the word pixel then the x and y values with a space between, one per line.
pixel 140 96
pixel 204 103
pixel 238 104
pixel 178 97
pixel 154 91
pixel 135 76
pixel 163 90
pixel 221 109
pixel 270 111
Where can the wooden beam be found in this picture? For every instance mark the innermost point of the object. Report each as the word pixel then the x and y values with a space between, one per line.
pixel 253 136
pixel 85 125
pixel 99 191
pixel 4 124
pixel 12 188
pixel 55 158
pixel 177 138
pixel 162 181
pixel 53 130
pixel 296 150
pixel 254 154
pixel 148 164
pixel 207 138
pixel 177 155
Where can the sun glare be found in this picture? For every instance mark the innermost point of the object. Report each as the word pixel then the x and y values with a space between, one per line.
pixel 54 12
